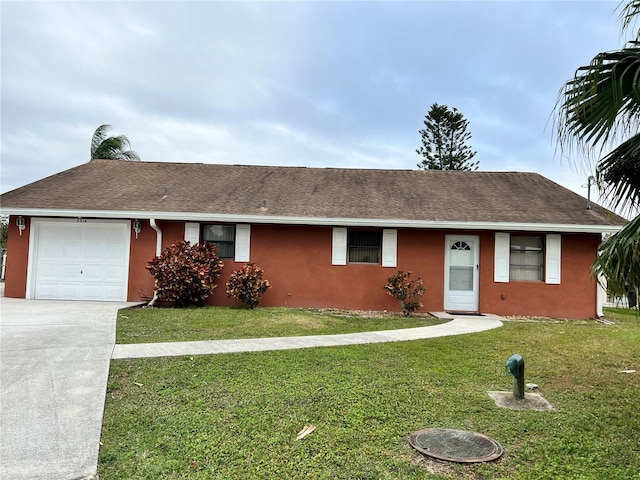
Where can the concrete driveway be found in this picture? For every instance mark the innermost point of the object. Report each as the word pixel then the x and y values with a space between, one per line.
pixel 54 364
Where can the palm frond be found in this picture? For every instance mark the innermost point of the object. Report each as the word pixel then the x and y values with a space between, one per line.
pixel 111 148
pixel 98 137
pixel 600 109
pixel 618 259
pixel 129 155
pixel 618 174
pixel 602 101
pixel 108 149
pixel 629 15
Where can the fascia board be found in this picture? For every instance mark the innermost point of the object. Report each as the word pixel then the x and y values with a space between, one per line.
pixel 319 221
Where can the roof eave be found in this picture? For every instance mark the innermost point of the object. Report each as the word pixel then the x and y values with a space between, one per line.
pixel 320 221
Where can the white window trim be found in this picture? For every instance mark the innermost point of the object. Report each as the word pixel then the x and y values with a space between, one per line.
pixel 501 258
pixel 243 243
pixel 552 255
pixel 339 246
pixel 192 232
pixel 553 260
pixel 390 248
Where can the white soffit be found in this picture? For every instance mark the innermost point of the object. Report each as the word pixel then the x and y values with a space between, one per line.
pixel 347 222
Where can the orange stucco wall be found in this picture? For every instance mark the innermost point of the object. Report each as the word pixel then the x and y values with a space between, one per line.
pixel 297 263
pixel 143 249
pixel 575 297
pixel 295 259
pixel 15 285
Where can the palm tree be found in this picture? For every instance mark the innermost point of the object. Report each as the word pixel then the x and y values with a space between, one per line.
pixel 111 148
pixel 598 111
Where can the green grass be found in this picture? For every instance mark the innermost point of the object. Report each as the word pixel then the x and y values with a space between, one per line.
pixel 236 416
pixel 217 323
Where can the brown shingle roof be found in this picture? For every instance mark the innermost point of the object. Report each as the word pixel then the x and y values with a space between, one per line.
pixel 414 195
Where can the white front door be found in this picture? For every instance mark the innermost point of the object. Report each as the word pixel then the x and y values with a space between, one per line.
pixel 461 266
pixel 72 260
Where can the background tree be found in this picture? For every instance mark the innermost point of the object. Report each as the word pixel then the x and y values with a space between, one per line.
pixel 111 148
pixel 444 141
pixel 598 112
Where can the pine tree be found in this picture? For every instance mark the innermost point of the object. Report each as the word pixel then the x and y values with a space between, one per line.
pixel 444 141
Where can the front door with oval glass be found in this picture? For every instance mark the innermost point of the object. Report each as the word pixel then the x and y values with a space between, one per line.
pixel 461 260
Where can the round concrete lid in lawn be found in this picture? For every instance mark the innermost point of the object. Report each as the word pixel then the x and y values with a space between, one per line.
pixel 455 445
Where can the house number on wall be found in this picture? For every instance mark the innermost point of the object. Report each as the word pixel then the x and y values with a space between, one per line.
pixel 82 220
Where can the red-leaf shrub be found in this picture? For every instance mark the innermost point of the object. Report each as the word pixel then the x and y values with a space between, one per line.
pixel 247 285
pixel 185 274
pixel 407 292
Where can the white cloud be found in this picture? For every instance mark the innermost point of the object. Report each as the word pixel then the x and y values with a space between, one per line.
pixel 342 84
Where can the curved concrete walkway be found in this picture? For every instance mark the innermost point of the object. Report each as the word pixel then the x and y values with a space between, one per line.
pixel 457 326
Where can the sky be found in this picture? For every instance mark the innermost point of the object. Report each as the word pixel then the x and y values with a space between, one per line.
pixel 313 83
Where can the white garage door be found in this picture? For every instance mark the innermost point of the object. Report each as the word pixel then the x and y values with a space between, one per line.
pixel 80 261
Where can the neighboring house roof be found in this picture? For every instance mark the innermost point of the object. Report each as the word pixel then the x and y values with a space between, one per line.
pixel 328 196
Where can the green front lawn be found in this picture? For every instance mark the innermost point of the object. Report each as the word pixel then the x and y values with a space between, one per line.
pixel 146 325
pixel 236 416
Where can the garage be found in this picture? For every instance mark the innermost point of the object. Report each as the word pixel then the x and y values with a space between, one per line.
pixel 79 259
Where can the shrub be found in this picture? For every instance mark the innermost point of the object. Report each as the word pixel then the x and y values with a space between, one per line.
pixel 185 274
pixel 247 285
pixel 407 292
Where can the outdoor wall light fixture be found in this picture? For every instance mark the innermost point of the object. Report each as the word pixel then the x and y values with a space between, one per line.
pixel 21 224
pixel 137 227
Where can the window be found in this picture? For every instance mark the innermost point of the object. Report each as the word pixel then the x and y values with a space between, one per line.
pixel 460 246
pixel 461 266
pixel 521 257
pixel 526 258
pixel 364 246
pixel 223 236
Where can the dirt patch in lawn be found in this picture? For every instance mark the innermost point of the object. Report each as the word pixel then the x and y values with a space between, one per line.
pixel 366 313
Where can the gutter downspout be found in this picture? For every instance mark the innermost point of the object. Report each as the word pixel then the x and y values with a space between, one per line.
pixel 153 224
